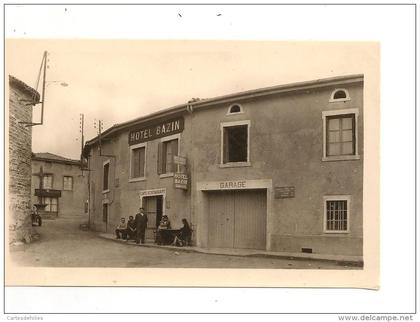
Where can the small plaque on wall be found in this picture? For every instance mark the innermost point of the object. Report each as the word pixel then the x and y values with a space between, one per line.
pixel 284 192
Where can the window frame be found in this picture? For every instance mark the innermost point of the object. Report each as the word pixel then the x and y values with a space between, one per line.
pixel 337 198
pixel 132 148
pixel 72 183
pixel 162 141
pixel 325 115
pixel 334 100
pixel 109 170
pixel 50 198
pixel 241 109
pixel 224 125
pixel 52 181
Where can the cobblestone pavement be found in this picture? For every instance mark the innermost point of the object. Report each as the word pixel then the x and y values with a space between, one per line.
pixel 63 244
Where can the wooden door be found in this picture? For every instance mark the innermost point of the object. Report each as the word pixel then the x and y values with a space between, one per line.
pixel 221 219
pixel 150 209
pixel 250 219
pixel 237 219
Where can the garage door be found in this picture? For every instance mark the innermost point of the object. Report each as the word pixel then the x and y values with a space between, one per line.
pixel 237 219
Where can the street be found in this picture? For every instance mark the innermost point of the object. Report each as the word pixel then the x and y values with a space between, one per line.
pixel 64 244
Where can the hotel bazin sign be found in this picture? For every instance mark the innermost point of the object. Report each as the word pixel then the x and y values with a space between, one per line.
pixel 181 180
pixel 155 131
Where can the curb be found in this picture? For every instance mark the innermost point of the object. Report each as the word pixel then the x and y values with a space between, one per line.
pixel 187 249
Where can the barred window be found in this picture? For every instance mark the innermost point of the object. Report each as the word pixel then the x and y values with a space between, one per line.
pixel 337 215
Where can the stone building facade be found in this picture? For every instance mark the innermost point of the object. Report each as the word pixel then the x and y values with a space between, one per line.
pixel 64 185
pixel 21 99
pixel 278 168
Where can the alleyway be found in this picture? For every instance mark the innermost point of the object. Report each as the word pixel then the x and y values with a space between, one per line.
pixel 63 244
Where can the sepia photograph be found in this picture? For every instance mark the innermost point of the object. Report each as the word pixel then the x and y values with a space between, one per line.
pixel 187 154
pixel 209 159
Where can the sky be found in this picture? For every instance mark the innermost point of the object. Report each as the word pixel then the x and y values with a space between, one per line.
pixel 118 80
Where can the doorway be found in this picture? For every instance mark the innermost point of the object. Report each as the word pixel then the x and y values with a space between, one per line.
pixel 237 219
pixel 153 207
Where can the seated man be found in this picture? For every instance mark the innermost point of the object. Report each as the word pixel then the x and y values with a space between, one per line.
pixel 161 237
pixel 121 229
pixel 131 228
pixel 184 236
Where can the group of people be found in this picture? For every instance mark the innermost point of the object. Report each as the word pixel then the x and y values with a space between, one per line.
pixel 135 229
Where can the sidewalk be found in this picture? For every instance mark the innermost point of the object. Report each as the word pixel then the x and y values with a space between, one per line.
pixel 342 259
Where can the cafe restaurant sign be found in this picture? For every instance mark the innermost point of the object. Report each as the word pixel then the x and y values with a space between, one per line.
pixel 155 131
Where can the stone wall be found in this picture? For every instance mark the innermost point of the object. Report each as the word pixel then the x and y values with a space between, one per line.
pixel 20 139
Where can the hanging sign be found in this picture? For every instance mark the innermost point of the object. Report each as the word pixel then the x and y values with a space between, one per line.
pixel 180 160
pixel 181 180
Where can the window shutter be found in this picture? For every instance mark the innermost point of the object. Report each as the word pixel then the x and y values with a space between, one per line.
pixel 225 146
pixel 174 153
pixel 159 159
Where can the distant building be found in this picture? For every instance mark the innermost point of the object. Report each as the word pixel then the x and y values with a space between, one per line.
pixel 58 183
pixel 277 168
pixel 21 99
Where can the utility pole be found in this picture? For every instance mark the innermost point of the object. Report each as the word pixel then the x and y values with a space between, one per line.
pixel 81 129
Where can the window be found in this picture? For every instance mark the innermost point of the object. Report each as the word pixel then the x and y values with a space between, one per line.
pixel 339 95
pixel 47 181
pixel 105 185
pixel 235 143
pixel 235 109
pixel 68 183
pixel 167 150
pixel 337 213
pixel 340 135
pixel 51 204
pixel 105 212
pixel 137 161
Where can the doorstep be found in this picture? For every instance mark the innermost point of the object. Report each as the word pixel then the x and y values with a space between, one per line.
pixel 348 260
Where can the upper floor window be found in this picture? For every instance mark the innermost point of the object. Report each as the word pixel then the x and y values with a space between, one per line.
pixel 340 95
pixel 47 181
pixel 340 135
pixel 235 109
pixel 138 161
pixel 168 148
pixel 105 182
pixel 235 143
pixel 336 214
pixel 67 183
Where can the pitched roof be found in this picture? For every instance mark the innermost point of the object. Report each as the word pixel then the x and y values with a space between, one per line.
pixel 46 156
pixel 197 103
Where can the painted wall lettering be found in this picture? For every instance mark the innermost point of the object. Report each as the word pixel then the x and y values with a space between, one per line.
pixel 156 131
pixel 233 184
